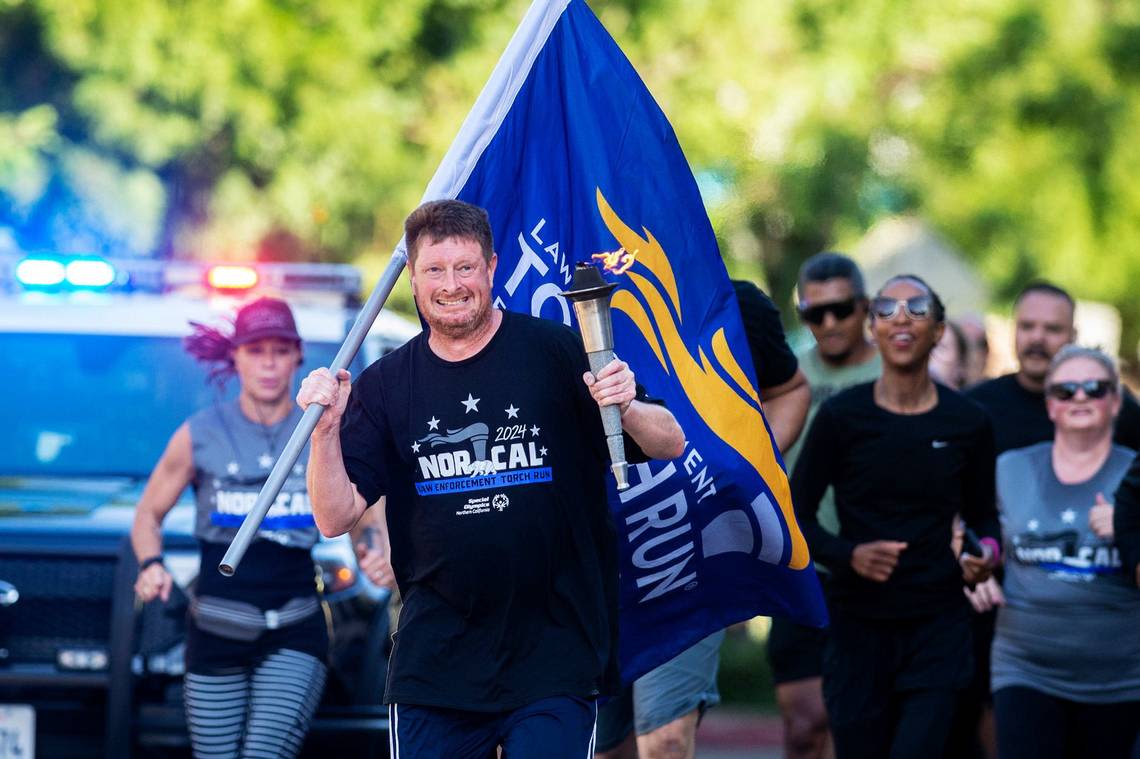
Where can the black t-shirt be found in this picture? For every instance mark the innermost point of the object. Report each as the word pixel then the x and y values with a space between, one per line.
pixel 509 575
pixel 896 477
pixel 774 361
pixel 1021 419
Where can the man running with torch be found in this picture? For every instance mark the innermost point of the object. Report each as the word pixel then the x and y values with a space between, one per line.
pixel 484 435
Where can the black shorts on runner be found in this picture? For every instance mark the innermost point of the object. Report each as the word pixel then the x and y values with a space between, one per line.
pixel 795 651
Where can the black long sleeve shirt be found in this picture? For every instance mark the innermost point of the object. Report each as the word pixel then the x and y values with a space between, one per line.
pixel 897 477
pixel 1126 519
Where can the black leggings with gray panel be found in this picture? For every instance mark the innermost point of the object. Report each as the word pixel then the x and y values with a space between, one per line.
pixel 263 710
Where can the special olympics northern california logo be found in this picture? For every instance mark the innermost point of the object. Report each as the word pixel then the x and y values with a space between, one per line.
pixel 500 501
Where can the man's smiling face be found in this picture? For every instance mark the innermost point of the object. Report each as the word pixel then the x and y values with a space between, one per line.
pixel 451 281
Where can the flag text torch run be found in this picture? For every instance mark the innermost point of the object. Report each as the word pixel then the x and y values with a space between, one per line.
pixel 590 296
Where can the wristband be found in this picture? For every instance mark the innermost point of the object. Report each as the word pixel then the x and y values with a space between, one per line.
pixel 145 563
pixel 995 550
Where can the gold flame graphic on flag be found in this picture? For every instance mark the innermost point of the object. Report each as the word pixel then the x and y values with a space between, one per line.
pixel 722 407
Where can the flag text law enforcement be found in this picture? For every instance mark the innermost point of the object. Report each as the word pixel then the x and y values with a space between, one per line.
pixel 571 156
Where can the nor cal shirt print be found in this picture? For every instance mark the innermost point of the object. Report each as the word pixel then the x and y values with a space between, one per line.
pixel 495 455
pixel 502 543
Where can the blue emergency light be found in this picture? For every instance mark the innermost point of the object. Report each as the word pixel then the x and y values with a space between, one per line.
pixel 40 272
pixel 90 272
pixel 87 272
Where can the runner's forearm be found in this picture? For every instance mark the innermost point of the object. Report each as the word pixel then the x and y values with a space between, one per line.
pixel 654 429
pixel 336 504
pixel 786 407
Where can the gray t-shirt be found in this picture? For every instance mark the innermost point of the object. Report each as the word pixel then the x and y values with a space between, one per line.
pixel 1071 624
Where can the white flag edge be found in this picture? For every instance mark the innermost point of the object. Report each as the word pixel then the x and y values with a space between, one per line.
pixel 493 103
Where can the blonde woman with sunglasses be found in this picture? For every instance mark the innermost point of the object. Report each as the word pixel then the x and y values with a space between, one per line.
pixel 1066 656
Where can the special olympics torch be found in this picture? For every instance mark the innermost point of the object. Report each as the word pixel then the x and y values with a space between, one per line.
pixel 590 296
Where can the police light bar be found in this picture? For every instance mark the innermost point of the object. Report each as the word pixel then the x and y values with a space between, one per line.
pixel 63 273
pixel 314 278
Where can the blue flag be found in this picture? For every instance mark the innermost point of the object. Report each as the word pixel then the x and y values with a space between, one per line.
pixel 571 156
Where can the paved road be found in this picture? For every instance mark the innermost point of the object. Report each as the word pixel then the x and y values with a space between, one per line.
pixel 741 753
pixel 739 735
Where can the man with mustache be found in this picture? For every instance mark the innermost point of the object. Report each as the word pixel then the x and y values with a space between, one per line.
pixel 1043 319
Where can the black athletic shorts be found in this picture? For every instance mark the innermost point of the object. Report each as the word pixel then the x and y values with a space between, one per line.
pixel 795 651
pixel 867 661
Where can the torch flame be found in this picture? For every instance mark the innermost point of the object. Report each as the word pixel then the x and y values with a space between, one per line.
pixel 617 261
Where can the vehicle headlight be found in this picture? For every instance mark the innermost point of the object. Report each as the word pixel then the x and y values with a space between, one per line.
pixel 337 564
pixel 336 575
pixel 88 659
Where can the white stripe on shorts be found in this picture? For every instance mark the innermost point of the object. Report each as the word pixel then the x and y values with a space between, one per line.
pixel 393 738
pixel 593 732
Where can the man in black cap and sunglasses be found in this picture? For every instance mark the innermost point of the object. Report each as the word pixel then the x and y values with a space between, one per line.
pixel 833 305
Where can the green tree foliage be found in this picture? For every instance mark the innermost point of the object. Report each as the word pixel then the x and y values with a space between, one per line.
pixel 272 129
pixel 299 129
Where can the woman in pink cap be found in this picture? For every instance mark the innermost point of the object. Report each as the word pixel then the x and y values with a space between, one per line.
pixel 256 643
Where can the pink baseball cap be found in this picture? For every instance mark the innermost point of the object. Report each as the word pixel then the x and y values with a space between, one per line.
pixel 262 318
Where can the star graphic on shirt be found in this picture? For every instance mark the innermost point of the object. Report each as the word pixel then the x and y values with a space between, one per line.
pixel 1068 516
pixel 471 404
pixel 265 461
pixel 232 467
pixel 1033 524
pixel 534 431
pixel 512 412
pixel 542 451
pixel 416 447
pixel 433 423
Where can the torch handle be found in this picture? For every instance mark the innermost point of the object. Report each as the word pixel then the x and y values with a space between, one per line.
pixel 611 416
pixel 611 423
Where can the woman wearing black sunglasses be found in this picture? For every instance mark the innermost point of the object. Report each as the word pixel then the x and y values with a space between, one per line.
pixel 1066 653
pixel 904 456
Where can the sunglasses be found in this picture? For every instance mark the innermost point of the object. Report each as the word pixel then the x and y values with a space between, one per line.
pixel 840 310
pixel 918 307
pixel 1094 389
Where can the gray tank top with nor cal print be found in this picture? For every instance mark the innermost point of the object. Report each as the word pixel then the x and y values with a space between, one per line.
pixel 233 456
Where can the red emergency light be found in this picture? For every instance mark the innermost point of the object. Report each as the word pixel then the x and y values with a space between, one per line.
pixel 231 277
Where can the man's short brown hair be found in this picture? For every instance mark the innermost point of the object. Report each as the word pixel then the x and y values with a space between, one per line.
pixel 440 219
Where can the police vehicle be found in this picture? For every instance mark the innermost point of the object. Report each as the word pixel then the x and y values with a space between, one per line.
pixel 95 381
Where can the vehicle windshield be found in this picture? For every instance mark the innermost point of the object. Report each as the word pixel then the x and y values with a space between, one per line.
pixel 102 404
